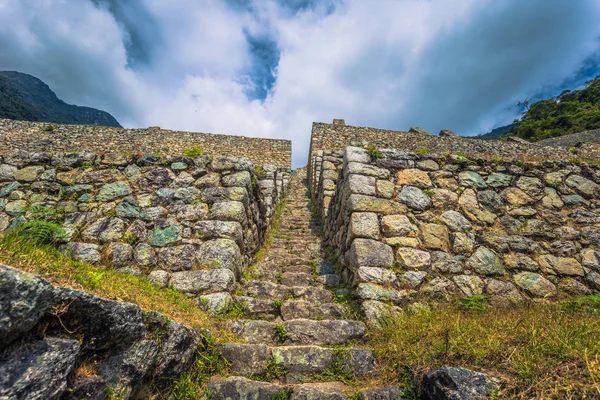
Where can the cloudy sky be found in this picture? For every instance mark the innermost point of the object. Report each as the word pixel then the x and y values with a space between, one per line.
pixel 270 68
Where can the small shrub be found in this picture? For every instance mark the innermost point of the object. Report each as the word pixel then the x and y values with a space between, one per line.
pixel 193 151
pixel 49 127
pixel 374 152
pixel 274 370
pixel 422 151
pixel 280 332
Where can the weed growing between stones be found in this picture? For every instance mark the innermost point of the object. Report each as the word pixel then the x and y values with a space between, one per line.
pixel 274 370
pixel 280 332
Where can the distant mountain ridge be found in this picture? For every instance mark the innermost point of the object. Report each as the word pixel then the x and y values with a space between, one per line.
pixel 25 97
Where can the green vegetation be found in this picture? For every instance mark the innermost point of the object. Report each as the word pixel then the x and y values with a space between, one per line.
pixel 280 332
pixel 537 350
pixel 193 151
pixel 477 303
pixel 422 151
pixel 570 112
pixel 21 249
pixel 374 152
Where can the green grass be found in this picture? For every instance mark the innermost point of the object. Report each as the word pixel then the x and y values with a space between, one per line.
pixel 537 351
pixel 19 251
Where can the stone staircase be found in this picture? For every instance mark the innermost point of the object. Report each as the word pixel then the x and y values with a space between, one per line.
pixel 300 339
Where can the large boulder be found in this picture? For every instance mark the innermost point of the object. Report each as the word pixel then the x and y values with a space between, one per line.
pixel 39 370
pixel 449 383
pixel 24 298
pixel 103 323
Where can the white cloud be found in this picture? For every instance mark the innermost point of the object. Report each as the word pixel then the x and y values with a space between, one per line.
pixel 390 64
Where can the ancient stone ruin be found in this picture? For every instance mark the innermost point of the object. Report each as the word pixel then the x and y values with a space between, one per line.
pixel 399 220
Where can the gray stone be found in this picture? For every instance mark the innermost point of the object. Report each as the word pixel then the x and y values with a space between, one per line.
pixel 228 211
pixel 412 278
pixel 392 392
pixel 368 291
pixel 303 359
pixel 6 190
pixel 220 253
pixel 486 262
pixel 573 200
pixel 112 191
pixel 359 202
pixel 361 184
pixel 560 265
pixel 119 254
pixel 455 221
pixel 144 255
pixel 213 280
pixel 439 289
pixel 177 258
pixel 502 294
pixel 366 169
pixel 370 253
pixel 531 186
pixel 397 225
pixel 409 257
pixel 128 209
pixel 7 173
pixel 413 177
pixel 380 276
pixel 583 186
pixel 239 179
pixel 471 285
pixel 520 261
pixel 164 236
pixel 223 163
pixel 24 298
pixel 38 370
pixel 435 236
pixel 471 179
pixel 491 200
pixel 356 154
pixel 102 323
pixel 535 285
pixel 215 303
pixel 159 278
pixel 29 174
pixel 363 225
pixel 15 208
pixel 85 252
pixel 245 359
pixel 207 230
pixel 242 388
pixel 414 198
pixel 496 180
pixel 156 178
pixel 445 263
pixel 104 230
pixel 449 383
pixel 329 332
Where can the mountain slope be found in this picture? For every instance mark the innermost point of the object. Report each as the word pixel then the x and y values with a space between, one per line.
pixel 24 97
pixel 570 112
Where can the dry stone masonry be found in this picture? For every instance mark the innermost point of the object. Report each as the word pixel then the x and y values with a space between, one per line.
pixel 191 223
pixel 416 229
pixel 44 137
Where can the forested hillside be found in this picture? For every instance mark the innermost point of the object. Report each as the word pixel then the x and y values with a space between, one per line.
pixel 570 112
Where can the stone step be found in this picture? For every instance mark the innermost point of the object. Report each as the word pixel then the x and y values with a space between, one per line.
pixel 298 331
pixel 298 362
pixel 239 388
pixel 302 309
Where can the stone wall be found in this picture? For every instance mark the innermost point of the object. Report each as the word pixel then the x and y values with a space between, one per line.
pixel 193 223
pixel 413 229
pixel 38 137
pixel 338 135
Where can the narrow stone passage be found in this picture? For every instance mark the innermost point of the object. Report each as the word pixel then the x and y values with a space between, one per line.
pixel 294 318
